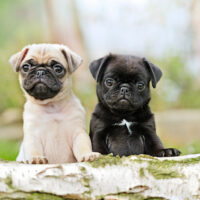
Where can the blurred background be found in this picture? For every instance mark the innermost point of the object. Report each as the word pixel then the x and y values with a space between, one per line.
pixel 167 33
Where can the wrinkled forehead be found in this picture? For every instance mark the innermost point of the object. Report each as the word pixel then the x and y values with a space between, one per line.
pixel 128 66
pixel 43 54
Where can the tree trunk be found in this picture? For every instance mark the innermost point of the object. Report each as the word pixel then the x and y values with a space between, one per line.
pixel 195 36
pixel 70 35
pixel 134 177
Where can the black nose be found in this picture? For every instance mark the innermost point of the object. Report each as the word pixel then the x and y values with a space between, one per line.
pixel 124 90
pixel 40 73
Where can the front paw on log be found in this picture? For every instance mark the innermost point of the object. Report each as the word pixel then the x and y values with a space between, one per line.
pixel 38 160
pixel 170 152
pixel 90 156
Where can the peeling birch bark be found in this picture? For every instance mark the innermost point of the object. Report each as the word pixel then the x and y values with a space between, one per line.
pixel 133 177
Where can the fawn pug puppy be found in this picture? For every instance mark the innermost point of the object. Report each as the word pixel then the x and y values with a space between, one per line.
pixel 122 122
pixel 54 119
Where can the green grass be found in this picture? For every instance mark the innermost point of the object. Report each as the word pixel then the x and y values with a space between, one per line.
pixel 9 149
pixel 192 148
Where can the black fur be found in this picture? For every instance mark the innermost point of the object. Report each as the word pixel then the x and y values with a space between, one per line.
pixel 126 99
pixel 41 81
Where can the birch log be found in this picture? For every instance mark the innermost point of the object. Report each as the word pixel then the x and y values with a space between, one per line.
pixel 134 177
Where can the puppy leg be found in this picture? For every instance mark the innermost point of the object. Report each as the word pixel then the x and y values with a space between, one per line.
pixel 33 151
pixel 154 147
pixel 98 133
pixel 82 148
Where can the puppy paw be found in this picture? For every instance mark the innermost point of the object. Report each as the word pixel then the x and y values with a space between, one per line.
pixel 38 160
pixel 90 157
pixel 167 152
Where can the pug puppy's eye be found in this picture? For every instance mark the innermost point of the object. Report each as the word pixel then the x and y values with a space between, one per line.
pixel 109 82
pixel 26 67
pixel 58 69
pixel 140 86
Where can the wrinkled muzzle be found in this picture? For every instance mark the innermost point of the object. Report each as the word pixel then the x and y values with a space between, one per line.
pixel 42 84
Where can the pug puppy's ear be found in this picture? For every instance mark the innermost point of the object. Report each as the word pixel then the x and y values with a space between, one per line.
pixel 97 67
pixel 16 59
pixel 154 71
pixel 73 60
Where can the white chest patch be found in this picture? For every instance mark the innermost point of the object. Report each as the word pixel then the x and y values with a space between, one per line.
pixel 125 123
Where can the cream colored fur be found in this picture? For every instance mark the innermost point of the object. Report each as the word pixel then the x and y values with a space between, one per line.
pixel 54 129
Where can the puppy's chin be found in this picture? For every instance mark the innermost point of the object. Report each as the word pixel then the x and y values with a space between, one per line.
pixel 121 106
pixel 41 91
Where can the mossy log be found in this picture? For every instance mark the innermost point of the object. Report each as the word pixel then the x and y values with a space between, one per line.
pixel 133 177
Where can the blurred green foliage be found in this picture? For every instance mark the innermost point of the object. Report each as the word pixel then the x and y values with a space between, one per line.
pixel 16 32
pixel 9 149
pixel 192 148
pixel 178 88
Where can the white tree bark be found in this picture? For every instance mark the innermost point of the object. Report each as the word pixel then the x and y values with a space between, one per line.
pixel 134 177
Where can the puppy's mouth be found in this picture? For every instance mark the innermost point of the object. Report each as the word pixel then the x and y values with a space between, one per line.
pixel 123 101
pixel 121 104
pixel 42 88
pixel 53 85
pixel 39 89
pixel 42 91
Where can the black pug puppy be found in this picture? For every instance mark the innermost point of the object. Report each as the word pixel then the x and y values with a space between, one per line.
pixel 122 122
